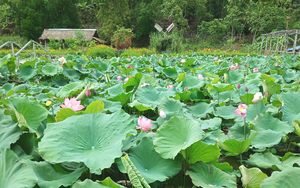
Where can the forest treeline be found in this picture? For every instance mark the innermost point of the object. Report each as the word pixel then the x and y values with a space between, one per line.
pixel 214 20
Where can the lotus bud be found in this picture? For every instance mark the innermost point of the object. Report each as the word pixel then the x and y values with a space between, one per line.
pixel 239 86
pixel 246 89
pixel 95 92
pixel 162 114
pixel 266 93
pixel 158 81
pixel 26 88
pixel 88 93
pixel 36 81
pixel 245 74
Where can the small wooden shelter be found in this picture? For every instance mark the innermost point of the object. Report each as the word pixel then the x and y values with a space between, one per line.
pixel 284 36
pixel 62 34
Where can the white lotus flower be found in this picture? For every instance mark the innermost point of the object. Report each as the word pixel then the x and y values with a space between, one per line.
pixel 62 60
pixel 257 97
pixel 162 114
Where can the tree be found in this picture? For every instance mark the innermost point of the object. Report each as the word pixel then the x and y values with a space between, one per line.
pixel 113 13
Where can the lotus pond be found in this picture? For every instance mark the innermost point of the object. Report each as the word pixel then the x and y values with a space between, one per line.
pixel 153 121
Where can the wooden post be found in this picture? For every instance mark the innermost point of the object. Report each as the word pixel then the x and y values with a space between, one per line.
pixel 295 43
pixel 270 53
pixel 266 45
pixel 282 45
pixel 262 42
pixel 286 42
pixel 277 45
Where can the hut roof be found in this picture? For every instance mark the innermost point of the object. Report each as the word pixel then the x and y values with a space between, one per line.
pixel 61 34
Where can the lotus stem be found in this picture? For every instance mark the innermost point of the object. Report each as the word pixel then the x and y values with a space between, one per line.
pixel 245 128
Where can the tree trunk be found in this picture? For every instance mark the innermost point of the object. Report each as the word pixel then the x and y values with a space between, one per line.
pixel 254 36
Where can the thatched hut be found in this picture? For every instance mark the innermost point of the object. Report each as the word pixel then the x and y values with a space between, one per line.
pixel 62 34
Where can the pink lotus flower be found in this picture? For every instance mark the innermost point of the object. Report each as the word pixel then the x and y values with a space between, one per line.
pixel 257 97
pixel 144 124
pixel 183 61
pixel 82 66
pixel 232 67
pixel 88 93
pixel 126 79
pixel 248 55
pixel 145 84
pixel 276 64
pixel 186 87
pixel 266 93
pixel 119 78
pixel 215 58
pixel 200 76
pixel 170 86
pixel 73 104
pixel 162 114
pixel 241 110
pixel 255 70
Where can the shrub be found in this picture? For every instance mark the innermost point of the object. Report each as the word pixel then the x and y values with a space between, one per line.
pixel 15 38
pixel 137 52
pixel 101 51
pixel 122 38
pixel 54 45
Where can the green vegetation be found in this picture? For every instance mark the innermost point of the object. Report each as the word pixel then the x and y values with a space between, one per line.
pixel 226 24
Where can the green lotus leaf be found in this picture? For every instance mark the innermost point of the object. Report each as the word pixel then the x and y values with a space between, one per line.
pixel 265 160
pixel 63 114
pixel 220 87
pixel 110 183
pixel 12 64
pixel 207 175
pixel 237 147
pixel 3 60
pixel 270 130
pixel 115 90
pixel 140 106
pixel 287 178
pixel 235 77
pixel 50 69
pixel 88 183
pixel 13 173
pixel 252 177
pixel 150 164
pixel 87 138
pixel 226 112
pixel 52 178
pixel 9 130
pixel 271 87
pixel 192 82
pixel 68 89
pixel 28 113
pixel 136 179
pixel 170 72
pixel 175 135
pixel 25 73
pixel 108 105
pixel 201 109
pixel 151 96
pixel 201 152
pixel 268 160
pixel 212 124
pixel 223 166
pixel 71 74
pixel 253 78
pixel 290 108
pixel 171 107
pixel 95 107
pixel 133 81
pixel 289 75
pixel 247 98
pixel 123 98
pixel 254 110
